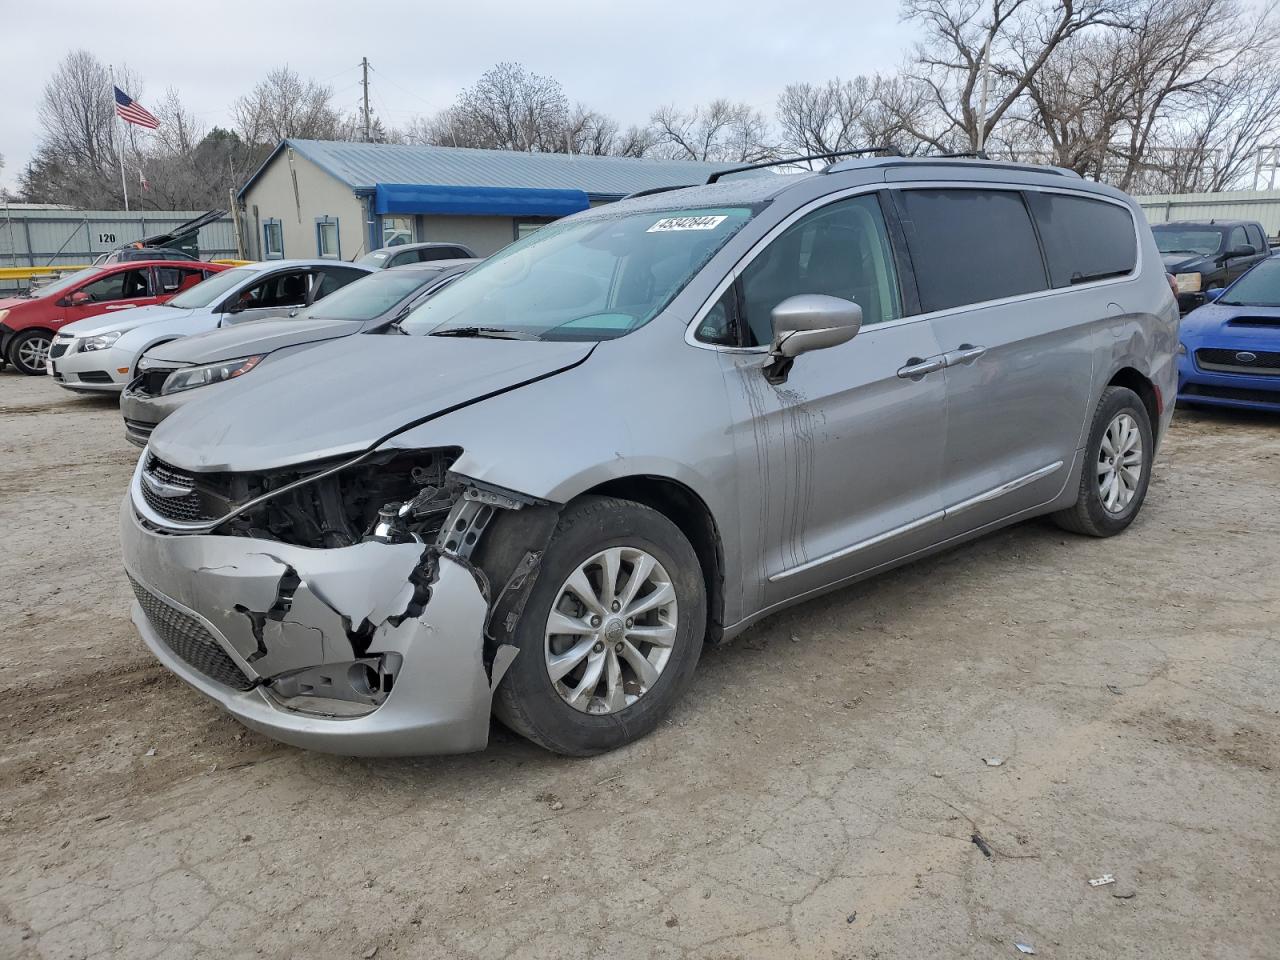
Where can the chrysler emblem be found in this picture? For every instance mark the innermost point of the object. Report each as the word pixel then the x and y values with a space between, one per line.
pixel 162 489
pixel 1244 356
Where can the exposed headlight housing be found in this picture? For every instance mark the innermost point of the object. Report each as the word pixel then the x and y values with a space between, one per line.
pixel 3 314
pixel 100 342
pixel 188 378
pixel 1188 282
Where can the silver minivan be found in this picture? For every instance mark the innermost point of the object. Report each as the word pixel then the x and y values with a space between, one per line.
pixel 643 428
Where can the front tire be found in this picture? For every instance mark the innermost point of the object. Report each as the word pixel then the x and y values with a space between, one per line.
pixel 1117 468
pixel 611 632
pixel 29 350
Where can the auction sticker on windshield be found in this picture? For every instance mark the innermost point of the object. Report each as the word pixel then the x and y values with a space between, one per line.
pixel 667 224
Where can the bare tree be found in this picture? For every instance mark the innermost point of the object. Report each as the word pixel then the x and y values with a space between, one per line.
pixel 1017 38
pixel 508 108
pixel 282 105
pixel 849 114
pixel 720 130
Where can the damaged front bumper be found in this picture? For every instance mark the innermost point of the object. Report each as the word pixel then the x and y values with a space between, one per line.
pixel 371 649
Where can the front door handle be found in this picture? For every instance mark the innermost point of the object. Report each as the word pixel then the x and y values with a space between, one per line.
pixel 917 368
pixel 965 353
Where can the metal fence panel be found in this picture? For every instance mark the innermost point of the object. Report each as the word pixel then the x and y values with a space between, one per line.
pixel 1260 205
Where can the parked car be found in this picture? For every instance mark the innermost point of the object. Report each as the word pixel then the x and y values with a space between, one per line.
pixel 1230 350
pixel 101 355
pixel 650 425
pixel 1208 253
pixel 168 375
pixel 405 253
pixel 29 323
pixel 125 254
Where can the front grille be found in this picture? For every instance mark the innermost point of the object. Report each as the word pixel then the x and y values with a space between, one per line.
pixel 59 348
pixel 187 508
pixel 1264 363
pixel 138 428
pixel 190 641
pixel 95 376
pixel 1193 390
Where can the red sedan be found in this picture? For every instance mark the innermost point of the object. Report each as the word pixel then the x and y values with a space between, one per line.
pixel 28 323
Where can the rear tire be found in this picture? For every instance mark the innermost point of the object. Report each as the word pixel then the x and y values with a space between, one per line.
pixel 540 708
pixel 28 351
pixel 1117 467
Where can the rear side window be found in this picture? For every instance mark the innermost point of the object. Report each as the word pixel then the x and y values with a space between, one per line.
pixel 1256 238
pixel 1084 239
pixel 968 246
pixel 440 253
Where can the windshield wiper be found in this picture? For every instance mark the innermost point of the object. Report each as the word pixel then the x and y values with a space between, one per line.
pixel 495 333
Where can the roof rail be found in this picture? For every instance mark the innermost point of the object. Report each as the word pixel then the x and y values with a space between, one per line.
pixel 959 155
pixel 653 190
pixel 888 151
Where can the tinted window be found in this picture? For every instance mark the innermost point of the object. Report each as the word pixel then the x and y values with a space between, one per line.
pixel 1260 287
pixel 280 290
pixel 335 278
pixel 440 253
pixel 1084 239
pixel 122 285
pixel 968 246
pixel 1236 238
pixel 1256 238
pixel 841 250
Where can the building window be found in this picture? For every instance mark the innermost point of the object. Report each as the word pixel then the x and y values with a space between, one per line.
pixel 396 230
pixel 529 225
pixel 327 244
pixel 272 240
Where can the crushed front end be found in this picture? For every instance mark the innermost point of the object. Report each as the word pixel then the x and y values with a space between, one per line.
pixel 337 606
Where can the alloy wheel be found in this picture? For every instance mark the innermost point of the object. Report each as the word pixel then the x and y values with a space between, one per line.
pixel 611 630
pixel 33 352
pixel 1119 463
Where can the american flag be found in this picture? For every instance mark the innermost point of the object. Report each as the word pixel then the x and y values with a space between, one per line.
pixel 130 111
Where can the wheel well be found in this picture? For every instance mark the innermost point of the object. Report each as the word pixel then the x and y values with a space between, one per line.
pixel 686 510
pixel 1144 388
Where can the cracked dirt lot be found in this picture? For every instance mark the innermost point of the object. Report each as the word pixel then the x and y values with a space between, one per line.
pixel 813 797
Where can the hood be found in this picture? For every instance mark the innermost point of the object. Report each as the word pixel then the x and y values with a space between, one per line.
pixel 1218 317
pixel 342 397
pixel 261 336
pixel 8 303
pixel 122 320
pixel 1175 262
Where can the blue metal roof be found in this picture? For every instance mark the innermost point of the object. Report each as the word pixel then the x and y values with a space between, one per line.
pixel 362 166
pixel 477 201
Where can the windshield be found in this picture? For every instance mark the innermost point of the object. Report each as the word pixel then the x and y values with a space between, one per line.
pixel 207 291
pixel 372 296
pixel 375 259
pixel 70 280
pixel 1187 240
pixel 1260 287
pixel 591 279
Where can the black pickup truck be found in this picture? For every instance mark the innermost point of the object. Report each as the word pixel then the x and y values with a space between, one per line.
pixel 1208 253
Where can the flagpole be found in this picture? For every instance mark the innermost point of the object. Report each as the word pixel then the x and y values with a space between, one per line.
pixel 115 127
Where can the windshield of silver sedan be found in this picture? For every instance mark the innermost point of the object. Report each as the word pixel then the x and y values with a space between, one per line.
pixel 594 279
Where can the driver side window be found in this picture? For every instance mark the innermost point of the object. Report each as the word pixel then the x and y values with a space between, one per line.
pixel 281 290
pixel 122 285
pixel 841 250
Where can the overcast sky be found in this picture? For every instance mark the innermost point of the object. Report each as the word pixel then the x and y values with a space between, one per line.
pixel 623 59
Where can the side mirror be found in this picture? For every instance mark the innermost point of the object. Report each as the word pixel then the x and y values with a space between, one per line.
pixel 1212 294
pixel 813 321
pixel 77 299
pixel 1247 250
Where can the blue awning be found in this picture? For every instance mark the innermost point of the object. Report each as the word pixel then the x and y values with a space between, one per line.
pixel 477 201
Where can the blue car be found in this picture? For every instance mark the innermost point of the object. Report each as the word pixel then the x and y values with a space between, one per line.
pixel 1230 352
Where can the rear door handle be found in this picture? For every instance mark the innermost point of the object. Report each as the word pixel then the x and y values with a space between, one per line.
pixel 916 367
pixel 965 353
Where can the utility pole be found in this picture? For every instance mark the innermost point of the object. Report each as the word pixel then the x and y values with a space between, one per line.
pixel 364 66
pixel 982 100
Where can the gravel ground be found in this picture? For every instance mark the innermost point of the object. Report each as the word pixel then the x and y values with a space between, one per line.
pixel 814 796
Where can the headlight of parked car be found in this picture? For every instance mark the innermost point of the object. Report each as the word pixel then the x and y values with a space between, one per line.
pixel 1182 349
pixel 188 378
pixel 3 314
pixel 100 342
pixel 1188 282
